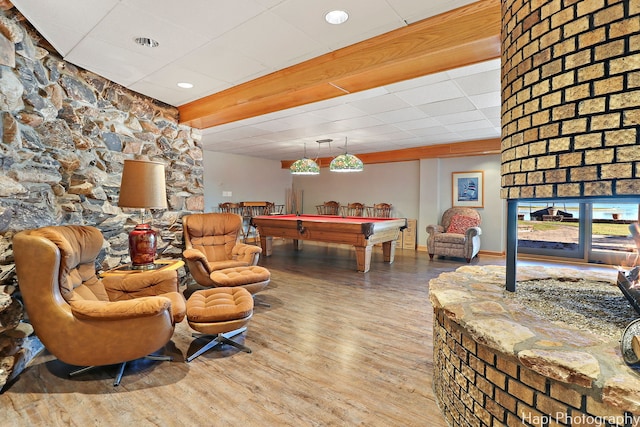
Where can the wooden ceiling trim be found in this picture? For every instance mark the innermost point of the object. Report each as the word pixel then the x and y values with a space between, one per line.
pixel 460 149
pixel 463 36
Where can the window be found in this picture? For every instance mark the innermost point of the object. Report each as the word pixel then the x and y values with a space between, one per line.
pixel 595 231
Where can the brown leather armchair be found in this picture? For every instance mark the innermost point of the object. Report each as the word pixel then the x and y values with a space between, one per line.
pixel 82 319
pixel 212 242
pixel 457 235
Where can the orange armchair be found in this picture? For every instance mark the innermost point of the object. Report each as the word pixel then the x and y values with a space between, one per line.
pixel 82 319
pixel 212 242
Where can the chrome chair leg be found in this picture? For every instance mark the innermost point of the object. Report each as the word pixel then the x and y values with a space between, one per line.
pixel 223 338
pixel 118 378
pixel 116 381
pixel 82 371
pixel 120 373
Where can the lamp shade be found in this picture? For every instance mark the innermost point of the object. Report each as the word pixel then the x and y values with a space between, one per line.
pixel 143 185
pixel 304 166
pixel 346 163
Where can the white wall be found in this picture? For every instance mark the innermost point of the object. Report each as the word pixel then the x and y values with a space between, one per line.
pixel 436 196
pixel 419 190
pixel 247 178
pixel 394 183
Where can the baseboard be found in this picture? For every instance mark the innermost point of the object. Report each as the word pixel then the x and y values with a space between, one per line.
pixel 492 253
pixel 423 248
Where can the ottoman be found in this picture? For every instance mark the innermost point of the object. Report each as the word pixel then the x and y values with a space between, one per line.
pixel 219 313
pixel 253 278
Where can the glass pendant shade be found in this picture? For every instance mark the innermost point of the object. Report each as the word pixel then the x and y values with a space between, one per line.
pixel 304 166
pixel 346 163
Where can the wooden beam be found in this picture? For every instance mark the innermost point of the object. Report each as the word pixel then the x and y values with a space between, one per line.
pixel 459 149
pixel 460 37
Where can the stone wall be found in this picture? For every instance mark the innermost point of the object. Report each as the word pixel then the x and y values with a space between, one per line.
pixel 64 134
pixel 498 363
pixel 571 98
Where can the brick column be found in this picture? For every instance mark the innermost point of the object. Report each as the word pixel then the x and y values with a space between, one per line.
pixel 571 98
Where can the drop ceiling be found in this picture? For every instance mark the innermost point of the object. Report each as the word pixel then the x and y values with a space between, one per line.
pixel 216 45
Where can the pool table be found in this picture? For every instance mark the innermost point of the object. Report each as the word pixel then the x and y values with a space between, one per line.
pixel 361 232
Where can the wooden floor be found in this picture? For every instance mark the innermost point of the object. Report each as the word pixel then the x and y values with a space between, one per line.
pixel 336 348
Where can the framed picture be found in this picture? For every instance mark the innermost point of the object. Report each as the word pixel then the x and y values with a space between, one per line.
pixel 468 189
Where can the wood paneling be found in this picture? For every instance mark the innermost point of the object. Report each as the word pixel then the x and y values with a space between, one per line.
pixel 459 149
pixel 460 37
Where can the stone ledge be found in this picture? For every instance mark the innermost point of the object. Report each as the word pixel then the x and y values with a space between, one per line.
pixel 474 298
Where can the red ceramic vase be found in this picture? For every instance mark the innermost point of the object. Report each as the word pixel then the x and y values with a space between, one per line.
pixel 142 246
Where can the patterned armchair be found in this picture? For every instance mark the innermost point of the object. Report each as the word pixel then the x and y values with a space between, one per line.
pixel 458 234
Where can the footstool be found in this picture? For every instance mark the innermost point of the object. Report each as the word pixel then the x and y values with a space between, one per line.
pixel 221 313
pixel 253 278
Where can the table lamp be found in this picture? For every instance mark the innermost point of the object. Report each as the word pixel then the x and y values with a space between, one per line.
pixel 142 187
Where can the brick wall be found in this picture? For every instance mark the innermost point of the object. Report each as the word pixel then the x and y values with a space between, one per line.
pixel 571 98
pixel 478 386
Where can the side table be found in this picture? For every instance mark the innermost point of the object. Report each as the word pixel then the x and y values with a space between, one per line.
pixel 162 264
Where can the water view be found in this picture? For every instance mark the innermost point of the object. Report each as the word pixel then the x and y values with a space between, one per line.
pixel 625 211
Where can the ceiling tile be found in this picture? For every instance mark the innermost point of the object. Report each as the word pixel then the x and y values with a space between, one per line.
pixel 479 67
pixel 485 100
pixel 99 57
pixel 461 117
pixel 471 125
pixel 367 18
pixel 417 124
pixel 380 104
pixel 124 23
pixel 221 63
pixel 248 39
pixel 400 115
pixel 338 112
pixel 449 106
pixel 475 84
pixel 210 18
pixel 430 93
pixel 70 20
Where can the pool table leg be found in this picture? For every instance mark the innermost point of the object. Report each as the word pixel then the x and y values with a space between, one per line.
pixel 363 258
pixel 266 243
pixel 389 251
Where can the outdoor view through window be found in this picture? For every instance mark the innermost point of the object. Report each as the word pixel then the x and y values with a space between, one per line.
pixel 595 232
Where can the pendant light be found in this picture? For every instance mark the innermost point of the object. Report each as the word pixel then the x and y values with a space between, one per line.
pixel 304 166
pixel 346 162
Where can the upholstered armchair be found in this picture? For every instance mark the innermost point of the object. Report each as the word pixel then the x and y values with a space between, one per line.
pixel 84 320
pixel 212 242
pixel 457 235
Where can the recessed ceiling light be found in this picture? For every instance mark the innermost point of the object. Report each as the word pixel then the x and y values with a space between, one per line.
pixel 146 42
pixel 185 85
pixel 336 17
